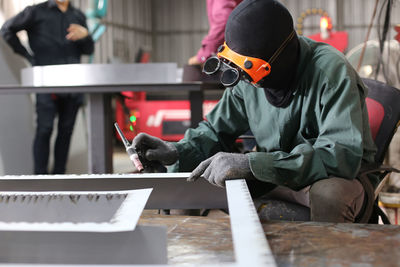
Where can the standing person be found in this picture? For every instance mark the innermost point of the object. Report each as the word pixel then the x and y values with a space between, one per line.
pixel 305 105
pixel 57 34
pixel 218 12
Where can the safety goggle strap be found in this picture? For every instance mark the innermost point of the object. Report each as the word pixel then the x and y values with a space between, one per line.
pixel 283 45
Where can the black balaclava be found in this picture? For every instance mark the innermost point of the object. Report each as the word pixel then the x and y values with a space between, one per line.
pixel 257 28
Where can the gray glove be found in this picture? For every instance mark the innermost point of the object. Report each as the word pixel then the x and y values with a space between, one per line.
pixel 223 166
pixel 155 149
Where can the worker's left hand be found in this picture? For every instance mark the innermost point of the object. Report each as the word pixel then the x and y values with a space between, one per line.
pixel 223 166
pixel 76 32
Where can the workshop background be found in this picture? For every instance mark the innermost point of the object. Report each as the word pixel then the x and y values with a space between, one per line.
pixel 171 31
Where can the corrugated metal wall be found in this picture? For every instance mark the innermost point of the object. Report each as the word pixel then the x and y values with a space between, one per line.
pixel 180 26
pixel 173 29
pixel 351 15
pixel 129 28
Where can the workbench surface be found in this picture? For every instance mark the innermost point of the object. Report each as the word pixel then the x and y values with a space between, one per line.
pixel 200 240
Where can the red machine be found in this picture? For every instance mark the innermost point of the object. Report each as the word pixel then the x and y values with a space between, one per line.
pixel 337 39
pixel 397 29
pixel 167 120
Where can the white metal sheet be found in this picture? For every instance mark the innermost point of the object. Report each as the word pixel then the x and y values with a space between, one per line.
pixel 99 74
pixel 72 211
pixel 250 244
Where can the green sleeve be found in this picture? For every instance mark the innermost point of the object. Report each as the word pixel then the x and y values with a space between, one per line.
pixel 218 133
pixel 336 151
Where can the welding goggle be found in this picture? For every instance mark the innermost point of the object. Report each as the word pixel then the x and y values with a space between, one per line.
pixel 235 67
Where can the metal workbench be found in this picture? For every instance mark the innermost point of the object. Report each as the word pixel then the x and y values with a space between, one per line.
pixel 207 240
pixel 99 81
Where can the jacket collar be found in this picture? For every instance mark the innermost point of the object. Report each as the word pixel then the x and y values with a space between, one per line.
pixel 53 4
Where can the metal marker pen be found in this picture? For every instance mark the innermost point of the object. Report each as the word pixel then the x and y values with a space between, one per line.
pixel 130 150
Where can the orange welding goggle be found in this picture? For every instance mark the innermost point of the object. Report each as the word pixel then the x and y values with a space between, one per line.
pixel 235 66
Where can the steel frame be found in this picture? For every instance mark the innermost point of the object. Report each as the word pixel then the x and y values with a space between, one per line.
pixel 170 189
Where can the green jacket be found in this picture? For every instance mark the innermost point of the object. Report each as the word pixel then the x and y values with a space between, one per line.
pixel 323 132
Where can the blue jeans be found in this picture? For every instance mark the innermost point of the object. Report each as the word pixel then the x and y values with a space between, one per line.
pixel 66 106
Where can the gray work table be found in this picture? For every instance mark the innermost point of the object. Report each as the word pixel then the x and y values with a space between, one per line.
pixel 198 240
pixel 100 121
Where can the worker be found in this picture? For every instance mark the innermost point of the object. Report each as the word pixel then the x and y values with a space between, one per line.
pixel 57 34
pixel 303 102
pixel 218 12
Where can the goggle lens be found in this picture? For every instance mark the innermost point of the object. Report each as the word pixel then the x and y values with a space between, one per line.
pixel 212 65
pixel 230 75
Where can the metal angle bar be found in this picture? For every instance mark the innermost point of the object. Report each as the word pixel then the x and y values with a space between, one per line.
pixel 179 175
pixel 170 190
pixel 173 88
pixel 250 244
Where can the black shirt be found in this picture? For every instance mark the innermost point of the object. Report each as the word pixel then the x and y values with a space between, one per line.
pixel 47 26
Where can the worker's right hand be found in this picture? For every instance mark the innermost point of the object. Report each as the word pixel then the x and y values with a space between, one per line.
pixel 155 149
pixel 76 32
pixel 194 61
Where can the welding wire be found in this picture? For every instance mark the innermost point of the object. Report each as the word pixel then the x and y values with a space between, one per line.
pixel 121 134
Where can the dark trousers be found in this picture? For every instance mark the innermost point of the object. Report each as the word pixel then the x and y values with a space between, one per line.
pixel 336 200
pixel 329 200
pixel 48 106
